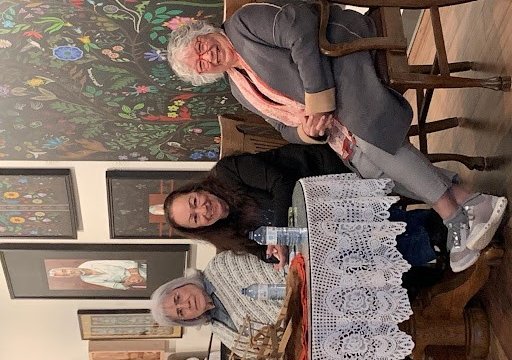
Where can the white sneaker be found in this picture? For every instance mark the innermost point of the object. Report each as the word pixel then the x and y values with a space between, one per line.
pixel 485 213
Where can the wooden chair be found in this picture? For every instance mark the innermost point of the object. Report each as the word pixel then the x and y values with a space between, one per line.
pixel 393 67
pixel 252 135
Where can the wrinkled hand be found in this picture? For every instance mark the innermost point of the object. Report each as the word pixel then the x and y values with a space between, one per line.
pixel 280 252
pixel 133 279
pixel 318 124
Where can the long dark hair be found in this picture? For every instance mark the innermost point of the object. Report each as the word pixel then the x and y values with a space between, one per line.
pixel 229 233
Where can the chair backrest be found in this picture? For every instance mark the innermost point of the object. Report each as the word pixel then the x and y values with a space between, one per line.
pixel 252 136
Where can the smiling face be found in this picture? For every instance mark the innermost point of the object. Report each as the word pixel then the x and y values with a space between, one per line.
pixel 187 302
pixel 197 209
pixel 210 54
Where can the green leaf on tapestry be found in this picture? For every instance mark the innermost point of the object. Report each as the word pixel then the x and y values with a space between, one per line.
pixel 125 116
pixel 174 12
pixel 113 104
pixel 158 21
pixel 161 10
pixel 117 17
pixel 212 132
pixel 89 95
pixel 138 106
pixel 45 95
pixel 90 89
pixel 126 109
pixel 121 83
pixel 148 16
pixel 162 39
pixel 153 35
pixel 5 31
pixel 158 28
pixel 93 46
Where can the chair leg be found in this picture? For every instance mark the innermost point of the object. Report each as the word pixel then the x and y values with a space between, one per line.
pixel 471 162
pixel 424 81
pixel 453 67
pixel 435 126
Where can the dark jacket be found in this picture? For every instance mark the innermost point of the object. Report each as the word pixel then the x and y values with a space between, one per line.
pixel 270 176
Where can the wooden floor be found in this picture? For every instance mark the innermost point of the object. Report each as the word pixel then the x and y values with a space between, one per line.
pixel 480 31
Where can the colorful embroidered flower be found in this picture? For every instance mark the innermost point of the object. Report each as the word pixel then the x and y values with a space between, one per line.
pixel 33 34
pixel 196 155
pixel 68 53
pixel 122 157
pixel 11 195
pixel 172 114
pixel 173 108
pixel 5 44
pixel 37 201
pixel 113 55
pixel 53 143
pixel 35 82
pixel 39 213
pixel 117 48
pixel 142 89
pixel 8 23
pixel 216 139
pixel 86 39
pixel 211 154
pixel 17 220
pixel 106 51
pixel 154 55
pixel 196 130
pixel 176 22
pixel 179 102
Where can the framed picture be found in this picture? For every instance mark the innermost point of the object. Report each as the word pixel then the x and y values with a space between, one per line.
pixel 123 324
pixel 90 271
pixel 37 203
pixel 127 350
pixel 135 201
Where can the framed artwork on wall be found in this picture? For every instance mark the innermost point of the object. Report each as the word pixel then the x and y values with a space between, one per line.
pixel 123 324
pixel 127 350
pixel 37 203
pixel 135 200
pixel 90 271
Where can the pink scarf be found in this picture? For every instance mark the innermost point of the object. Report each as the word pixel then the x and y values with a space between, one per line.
pixel 275 105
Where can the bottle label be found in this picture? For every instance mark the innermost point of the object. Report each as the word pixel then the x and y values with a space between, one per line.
pixel 263 293
pixel 271 235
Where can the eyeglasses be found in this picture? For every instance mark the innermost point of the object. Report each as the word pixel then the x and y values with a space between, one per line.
pixel 201 48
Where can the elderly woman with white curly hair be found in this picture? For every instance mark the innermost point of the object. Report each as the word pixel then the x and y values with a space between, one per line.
pixel 271 55
pixel 214 296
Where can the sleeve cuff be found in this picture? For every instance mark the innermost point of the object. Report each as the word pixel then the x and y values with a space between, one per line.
pixel 307 139
pixel 323 101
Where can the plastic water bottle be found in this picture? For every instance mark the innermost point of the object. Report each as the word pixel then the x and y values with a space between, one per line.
pixel 265 291
pixel 273 235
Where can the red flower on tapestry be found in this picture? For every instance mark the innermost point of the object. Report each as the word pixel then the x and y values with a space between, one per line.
pixel 33 34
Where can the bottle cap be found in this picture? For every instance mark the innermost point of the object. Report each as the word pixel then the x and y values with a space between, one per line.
pixel 244 291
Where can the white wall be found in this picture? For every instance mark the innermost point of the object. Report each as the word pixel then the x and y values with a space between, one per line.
pixel 47 329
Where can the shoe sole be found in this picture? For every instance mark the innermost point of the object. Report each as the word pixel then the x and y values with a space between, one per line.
pixel 467 265
pixel 486 233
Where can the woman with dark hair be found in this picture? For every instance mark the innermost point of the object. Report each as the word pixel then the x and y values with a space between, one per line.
pixel 246 191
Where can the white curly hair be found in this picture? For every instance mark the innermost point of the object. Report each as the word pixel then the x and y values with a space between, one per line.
pixel 179 39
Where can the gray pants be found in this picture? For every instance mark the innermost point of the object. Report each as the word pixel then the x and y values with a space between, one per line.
pixel 414 176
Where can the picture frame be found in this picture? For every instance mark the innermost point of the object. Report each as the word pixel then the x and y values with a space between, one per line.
pixel 132 197
pixel 37 203
pixel 127 350
pixel 123 324
pixel 105 271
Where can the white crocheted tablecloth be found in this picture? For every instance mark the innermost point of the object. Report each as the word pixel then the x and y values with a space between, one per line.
pixel 356 297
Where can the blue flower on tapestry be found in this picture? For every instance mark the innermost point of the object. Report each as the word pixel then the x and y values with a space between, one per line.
pixel 8 23
pixel 55 142
pixel 211 154
pixel 154 55
pixel 196 155
pixel 68 53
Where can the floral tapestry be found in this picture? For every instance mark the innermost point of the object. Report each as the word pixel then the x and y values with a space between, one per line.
pixel 89 80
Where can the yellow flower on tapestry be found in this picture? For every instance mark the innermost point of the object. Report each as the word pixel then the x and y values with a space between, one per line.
pixel 39 213
pixel 86 39
pixel 172 114
pixel 17 220
pixel 179 102
pixel 35 82
pixel 173 108
pixel 4 44
pixel 11 195
pixel 37 201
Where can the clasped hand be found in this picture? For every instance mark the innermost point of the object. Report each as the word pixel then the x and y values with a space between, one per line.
pixel 317 125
